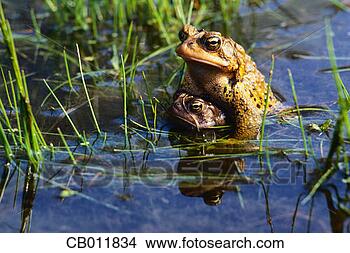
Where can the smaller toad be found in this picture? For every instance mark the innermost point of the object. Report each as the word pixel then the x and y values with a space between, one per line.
pixel 193 111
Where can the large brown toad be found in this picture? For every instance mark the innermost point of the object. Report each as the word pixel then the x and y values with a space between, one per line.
pixel 220 71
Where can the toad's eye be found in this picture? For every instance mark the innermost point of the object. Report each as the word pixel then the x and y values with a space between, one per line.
pixel 183 36
pixel 212 43
pixel 196 106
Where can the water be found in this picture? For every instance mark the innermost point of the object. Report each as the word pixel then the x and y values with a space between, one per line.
pixel 172 185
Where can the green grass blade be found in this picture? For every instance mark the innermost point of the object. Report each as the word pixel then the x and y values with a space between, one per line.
pixel 87 93
pixel 300 119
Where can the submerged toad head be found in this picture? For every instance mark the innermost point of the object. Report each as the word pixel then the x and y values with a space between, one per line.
pixel 196 112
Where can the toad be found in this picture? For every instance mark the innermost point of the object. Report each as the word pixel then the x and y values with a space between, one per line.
pixel 222 73
pixel 196 112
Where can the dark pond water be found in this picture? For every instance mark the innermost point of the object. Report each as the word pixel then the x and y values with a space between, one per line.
pixel 168 180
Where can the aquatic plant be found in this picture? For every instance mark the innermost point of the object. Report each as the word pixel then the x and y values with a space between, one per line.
pixel 29 134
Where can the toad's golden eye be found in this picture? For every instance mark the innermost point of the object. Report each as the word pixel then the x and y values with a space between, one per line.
pixel 196 106
pixel 212 43
pixel 183 36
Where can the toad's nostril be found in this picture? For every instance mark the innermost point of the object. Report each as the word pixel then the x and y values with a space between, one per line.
pixel 177 105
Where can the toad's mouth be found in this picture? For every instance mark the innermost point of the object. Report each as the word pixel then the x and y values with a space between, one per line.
pixel 175 112
pixel 184 120
pixel 191 56
pixel 190 59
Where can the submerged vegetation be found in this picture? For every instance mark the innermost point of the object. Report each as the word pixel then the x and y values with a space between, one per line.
pixel 98 83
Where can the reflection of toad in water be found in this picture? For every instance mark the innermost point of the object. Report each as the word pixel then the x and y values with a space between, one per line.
pixel 204 175
pixel 210 179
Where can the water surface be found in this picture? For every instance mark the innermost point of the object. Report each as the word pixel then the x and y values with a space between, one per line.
pixel 172 184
